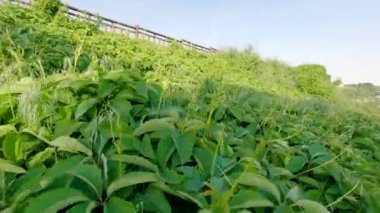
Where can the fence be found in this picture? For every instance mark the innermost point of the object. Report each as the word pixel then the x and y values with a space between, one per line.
pixel 136 32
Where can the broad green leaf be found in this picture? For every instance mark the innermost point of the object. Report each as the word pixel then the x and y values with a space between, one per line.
pixel 60 168
pixel 84 106
pixel 204 160
pixel 314 194
pixel 28 184
pixel 40 135
pixel 294 194
pixel 245 199
pixel 24 146
pixel 198 199
pixel 41 157
pixel 135 160
pixel 194 126
pixel 5 129
pixel 171 177
pixel 54 200
pixel 130 179
pixel 296 163
pixel 91 175
pixel 219 184
pixel 70 145
pixel 66 127
pixel 311 206
pixel 145 147
pixel 117 205
pixel 261 183
pixel 7 166
pixel 9 146
pixel 193 182
pixel 165 149
pixel 281 172
pixel 184 144
pixel 283 209
pixel 157 200
pixel 85 207
pixel 122 108
pixel 105 88
pixel 310 181
pixel 153 125
pixel 236 112
pixel 316 150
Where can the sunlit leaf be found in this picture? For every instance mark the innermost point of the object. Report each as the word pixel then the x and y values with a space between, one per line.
pixel 130 179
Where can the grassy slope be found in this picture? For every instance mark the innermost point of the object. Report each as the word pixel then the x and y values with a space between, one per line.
pixel 250 106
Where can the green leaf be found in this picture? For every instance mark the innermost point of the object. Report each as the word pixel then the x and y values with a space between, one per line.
pixel 193 181
pixel 316 150
pixel 7 166
pixel 296 163
pixel 184 144
pixel 41 157
pixel 198 199
pixel 9 146
pixel 91 175
pixel 171 177
pixel 135 160
pixel 28 184
pixel 145 147
pixel 249 199
pixel 157 200
pixel 261 183
pixel 314 194
pixel 204 159
pixel 54 200
pixel 5 129
pixel 40 136
pixel 105 88
pixel 130 179
pixel 70 145
pixel 84 106
pixel 311 206
pixel 61 167
pixel 310 181
pixel 153 125
pixel 165 149
pixel 86 207
pixel 294 194
pixel 117 205
pixel 122 108
pixel 66 127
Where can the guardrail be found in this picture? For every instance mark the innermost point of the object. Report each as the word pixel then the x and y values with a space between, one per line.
pixel 110 25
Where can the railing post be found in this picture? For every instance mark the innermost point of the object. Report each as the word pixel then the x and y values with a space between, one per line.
pixel 137 29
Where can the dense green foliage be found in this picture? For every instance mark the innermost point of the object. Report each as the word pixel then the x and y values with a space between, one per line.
pixel 93 121
pixel 313 79
pixel 49 7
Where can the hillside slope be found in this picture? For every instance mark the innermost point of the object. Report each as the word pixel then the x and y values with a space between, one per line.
pixel 97 121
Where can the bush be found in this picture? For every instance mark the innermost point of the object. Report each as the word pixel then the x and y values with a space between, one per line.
pixel 314 80
pixel 49 7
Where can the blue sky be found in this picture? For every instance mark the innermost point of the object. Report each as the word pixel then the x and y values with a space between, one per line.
pixel 343 35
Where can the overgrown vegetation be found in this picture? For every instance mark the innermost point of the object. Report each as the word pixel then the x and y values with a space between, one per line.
pixel 93 121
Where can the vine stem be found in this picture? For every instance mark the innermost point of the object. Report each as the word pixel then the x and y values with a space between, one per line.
pixel 322 165
pixel 343 196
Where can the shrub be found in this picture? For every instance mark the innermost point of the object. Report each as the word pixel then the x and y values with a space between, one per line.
pixel 49 7
pixel 314 80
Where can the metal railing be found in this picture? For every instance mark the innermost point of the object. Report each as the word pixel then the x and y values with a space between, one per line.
pixel 107 24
